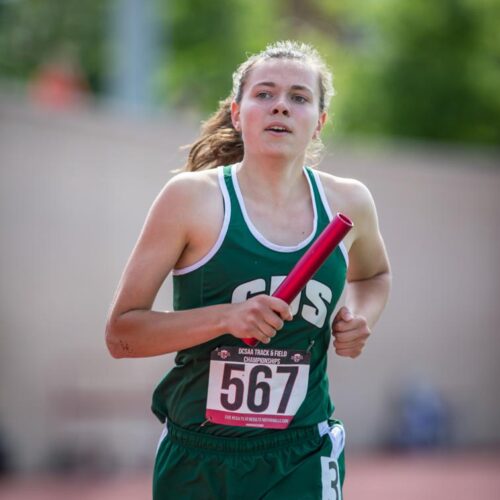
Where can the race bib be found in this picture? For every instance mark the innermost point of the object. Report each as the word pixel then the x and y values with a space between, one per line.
pixel 256 387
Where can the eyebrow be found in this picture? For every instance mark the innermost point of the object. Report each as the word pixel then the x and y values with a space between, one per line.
pixel 294 87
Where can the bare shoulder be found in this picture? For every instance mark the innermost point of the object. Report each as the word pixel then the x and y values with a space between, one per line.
pixel 352 198
pixel 187 194
pixel 191 203
pixel 367 254
pixel 189 187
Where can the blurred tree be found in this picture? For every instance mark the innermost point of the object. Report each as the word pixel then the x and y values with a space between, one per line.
pixel 32 32
pixel 427 69
pixel 206 42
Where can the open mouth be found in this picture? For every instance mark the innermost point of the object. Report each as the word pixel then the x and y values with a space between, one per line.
pixel 279 129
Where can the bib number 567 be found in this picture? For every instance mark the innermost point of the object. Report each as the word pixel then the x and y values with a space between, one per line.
pixel 258 392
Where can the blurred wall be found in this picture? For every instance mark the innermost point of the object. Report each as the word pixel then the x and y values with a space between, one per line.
pixel 74 191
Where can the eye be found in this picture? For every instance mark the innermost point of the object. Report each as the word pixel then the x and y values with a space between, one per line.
pixel 263 94
pixel 299 98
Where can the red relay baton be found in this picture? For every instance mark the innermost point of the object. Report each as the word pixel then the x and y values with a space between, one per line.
pixel 311 261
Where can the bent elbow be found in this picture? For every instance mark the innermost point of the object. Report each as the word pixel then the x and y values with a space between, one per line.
pixel 113 342
pixel 114 348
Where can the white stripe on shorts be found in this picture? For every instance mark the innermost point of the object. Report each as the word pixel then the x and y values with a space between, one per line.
pixel 336 433
pixel 330 472
pixel 162 437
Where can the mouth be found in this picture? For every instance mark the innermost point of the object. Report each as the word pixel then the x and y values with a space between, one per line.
pixel 278 129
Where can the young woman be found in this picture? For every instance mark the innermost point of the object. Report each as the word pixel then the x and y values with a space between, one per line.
pixel 246 422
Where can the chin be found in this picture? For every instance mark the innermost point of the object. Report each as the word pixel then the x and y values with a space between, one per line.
pixel 279 153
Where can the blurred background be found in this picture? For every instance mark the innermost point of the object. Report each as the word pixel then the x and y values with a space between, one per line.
pixel 96 99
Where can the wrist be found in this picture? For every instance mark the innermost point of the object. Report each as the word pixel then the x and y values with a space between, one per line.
pixel 221 321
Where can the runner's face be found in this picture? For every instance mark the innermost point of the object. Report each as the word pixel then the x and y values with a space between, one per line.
pixel 279 111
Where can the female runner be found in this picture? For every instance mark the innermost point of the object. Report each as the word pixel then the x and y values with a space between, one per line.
pixel 246 422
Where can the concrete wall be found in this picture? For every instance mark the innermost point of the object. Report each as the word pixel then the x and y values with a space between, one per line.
pixel 74 191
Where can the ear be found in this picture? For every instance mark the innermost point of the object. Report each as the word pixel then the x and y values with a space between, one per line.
pixel 320 124
pixel 235 115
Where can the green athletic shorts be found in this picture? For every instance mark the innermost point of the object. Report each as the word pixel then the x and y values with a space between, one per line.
pixel 302 463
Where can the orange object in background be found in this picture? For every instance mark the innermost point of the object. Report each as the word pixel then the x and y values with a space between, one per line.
pixel 59 84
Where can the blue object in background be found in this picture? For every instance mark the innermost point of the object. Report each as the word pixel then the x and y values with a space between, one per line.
pixel 423 419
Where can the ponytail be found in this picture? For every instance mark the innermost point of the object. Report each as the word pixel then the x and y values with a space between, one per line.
pixel 219 143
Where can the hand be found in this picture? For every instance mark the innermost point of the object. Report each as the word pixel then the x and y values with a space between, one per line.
pixel 350 333
pixel 259 317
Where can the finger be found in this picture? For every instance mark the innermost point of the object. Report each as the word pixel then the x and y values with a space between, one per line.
pixel 348 353
pixel 273 320
pixel 282 308
pixel 264 338
pixel 351 336
pixel 357 344
pixel 266 330
pixel 259 335
pixel 262 308
pixel 343 314
pixel 353 324
pixel 345 342
pixel 346 313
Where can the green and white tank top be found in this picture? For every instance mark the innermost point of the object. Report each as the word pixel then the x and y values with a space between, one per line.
pixel 241 264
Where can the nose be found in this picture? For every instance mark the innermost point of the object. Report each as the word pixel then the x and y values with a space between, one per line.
pixel 280 107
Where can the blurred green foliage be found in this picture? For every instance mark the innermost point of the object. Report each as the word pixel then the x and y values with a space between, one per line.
pixel 206 42
pixel 428 69
pixel 33 32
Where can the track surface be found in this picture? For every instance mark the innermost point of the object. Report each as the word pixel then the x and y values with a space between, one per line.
pixel 459 476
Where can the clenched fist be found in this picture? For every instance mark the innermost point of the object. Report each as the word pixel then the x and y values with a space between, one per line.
pixel 350 333
pixel 259 317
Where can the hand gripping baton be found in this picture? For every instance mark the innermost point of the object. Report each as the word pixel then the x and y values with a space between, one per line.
pixel 311 261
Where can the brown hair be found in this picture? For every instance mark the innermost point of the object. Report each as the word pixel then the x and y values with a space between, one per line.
pixel 220 143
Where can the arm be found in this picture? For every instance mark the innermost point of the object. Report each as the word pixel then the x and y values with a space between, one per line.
pixel 368 276
pixel 133 329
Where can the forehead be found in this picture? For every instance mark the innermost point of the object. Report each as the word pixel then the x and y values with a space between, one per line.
pixel 284 72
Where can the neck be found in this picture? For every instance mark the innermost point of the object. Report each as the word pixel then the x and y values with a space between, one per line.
pixel 277 180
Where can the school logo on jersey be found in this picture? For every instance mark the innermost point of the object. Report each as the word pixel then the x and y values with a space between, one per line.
pixel 316 297
pixel 223 354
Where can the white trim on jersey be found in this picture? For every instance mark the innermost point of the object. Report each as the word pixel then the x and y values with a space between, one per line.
pixel 256 233
pixel 322 195
pixel 223 231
